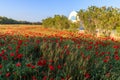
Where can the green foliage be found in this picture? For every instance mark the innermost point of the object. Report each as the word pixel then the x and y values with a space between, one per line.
pixel 106 18
pixel 48 22
pixel 59 22
pixel 118 31
pixel 5 20
pixel 80 58
pixel 103 18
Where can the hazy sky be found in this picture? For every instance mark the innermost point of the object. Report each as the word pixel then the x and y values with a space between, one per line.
pixel 36 10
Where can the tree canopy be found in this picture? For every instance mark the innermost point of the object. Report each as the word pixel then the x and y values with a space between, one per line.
pixel 59 22
pixel 105 18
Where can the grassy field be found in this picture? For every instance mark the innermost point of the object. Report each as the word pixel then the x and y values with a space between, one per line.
pixel 31 52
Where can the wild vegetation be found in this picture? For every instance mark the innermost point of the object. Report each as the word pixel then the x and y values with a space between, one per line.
pixel 33 52
pixel 103 18
pixel 5 20
pixel 37 53
pixel 60 22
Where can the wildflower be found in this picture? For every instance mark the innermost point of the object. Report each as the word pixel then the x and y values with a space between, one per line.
pixel 4 57
pixel 90 42
pixel 105 60
pixel 18 64
pixel 116 57
pixel 78 46
pixel 20 42
pixel 67 52
pixel 107 52
pixel 44 78
pixel 18 47
pixel 37 41
pixel 34 78
pixel 33 67
pixel 19 56
pixel 29 65
pixel 51 61
pixel 62 78
pixel 89 47
pixel 14 73
pixel 51 78
pixel 96 53
pixel 116 52
pixel 0 66
pixel 7 74
pixel 59 66
pixel 87 57
pixel 9 47
pixel 12 54
pixel 66 47
pixel 3 51
pixel 17 50
pixel 102 53
pixel 87 75
pixel 51 67
pixel 41 63
pixel 115 46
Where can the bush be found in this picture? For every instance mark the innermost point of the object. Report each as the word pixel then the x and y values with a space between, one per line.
pixel 59 22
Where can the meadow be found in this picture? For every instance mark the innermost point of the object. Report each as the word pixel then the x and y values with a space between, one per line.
pixel 31 52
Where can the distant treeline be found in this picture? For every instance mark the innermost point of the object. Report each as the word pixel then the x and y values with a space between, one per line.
pixel 5 20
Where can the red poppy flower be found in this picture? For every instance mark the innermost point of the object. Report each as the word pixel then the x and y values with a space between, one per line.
pixel 17 50
pixel 115 46
pixel 87 75
pixel 51 67
pixel 44 78
pixel 62 78
pixel 41 63
pixel 29 65
pixel 37 41
pixel 7 74
pixel 33 67
pixel 20 42
pixel 0 66
pixel 34 78
pixel 12 54
pixel 116 57
pixel 18 64
pixel 3 51
pixel 59 66
pixel 4 57
pixel 9 47
pixel 19 56
pixel 105 60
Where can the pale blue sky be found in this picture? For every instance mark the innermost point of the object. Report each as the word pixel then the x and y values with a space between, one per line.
pixel 36 10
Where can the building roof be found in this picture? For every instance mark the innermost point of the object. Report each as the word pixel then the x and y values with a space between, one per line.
pixel 73 16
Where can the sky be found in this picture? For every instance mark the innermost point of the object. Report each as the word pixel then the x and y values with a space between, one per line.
pixel 36 10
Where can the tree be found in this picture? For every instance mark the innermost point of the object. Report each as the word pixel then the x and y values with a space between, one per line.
pixel 103 18
pixel 59 22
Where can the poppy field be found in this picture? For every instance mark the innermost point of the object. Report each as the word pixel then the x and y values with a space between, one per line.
pixel 37 53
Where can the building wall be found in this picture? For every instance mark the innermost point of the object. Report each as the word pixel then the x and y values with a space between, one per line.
pixel 73 16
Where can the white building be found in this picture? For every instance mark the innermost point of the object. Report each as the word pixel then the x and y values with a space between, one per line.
pixel 73 16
